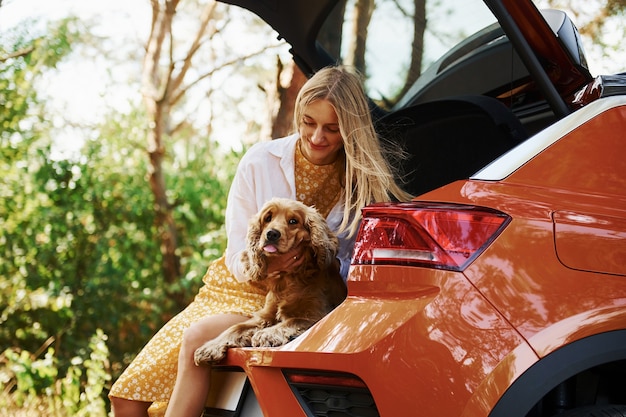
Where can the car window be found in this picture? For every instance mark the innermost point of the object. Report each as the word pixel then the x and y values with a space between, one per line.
pixel 392 42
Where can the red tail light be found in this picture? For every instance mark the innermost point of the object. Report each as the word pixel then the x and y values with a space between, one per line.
pixel 444 236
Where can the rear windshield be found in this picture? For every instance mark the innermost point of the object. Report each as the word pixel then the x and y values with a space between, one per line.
pixel 393 42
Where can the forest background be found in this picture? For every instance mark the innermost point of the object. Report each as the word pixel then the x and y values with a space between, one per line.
pixel 108 223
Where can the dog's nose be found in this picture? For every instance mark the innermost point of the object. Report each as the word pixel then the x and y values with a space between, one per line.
pixel 272 235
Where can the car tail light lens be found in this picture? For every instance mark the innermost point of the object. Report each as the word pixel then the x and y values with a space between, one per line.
pixel 443 236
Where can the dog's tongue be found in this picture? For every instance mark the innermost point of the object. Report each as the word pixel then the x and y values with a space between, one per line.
pixel 270 248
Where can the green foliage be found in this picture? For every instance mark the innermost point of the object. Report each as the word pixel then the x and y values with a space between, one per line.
pixel 79 245
pixel 79 251
pixel 24 378
pixel 23 57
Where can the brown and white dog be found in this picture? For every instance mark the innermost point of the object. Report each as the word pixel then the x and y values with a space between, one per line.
pixel 296 299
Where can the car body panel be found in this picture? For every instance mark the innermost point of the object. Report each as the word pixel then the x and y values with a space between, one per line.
pixel 368 331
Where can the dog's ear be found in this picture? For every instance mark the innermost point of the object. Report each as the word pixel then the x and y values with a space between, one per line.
pixel 323 241
pixel 253 261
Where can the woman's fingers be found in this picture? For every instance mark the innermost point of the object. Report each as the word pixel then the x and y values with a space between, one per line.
pixel 287 261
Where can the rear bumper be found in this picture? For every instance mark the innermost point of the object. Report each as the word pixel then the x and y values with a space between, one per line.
pixel 436 347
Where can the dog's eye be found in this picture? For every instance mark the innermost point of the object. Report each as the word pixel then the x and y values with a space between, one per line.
pixel 267 218
pixel 293 221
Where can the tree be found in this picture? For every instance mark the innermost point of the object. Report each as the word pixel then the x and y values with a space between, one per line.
pixel 168 77
pixel 281 93
pixel 23 145
pixel 78 235
pixel 362 14
pixel 417 50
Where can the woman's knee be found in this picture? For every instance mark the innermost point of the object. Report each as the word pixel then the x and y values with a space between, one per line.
pixel 194 336
pixel 208 328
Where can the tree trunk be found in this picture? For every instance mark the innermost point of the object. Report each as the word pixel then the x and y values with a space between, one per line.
pixel 287 93
pixel 168 232
pixel 417 50
pixel 363 10
pixel 155 94
pixel 281 96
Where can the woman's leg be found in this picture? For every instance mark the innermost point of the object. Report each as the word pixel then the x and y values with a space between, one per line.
pixel 192 382
pixel 122 407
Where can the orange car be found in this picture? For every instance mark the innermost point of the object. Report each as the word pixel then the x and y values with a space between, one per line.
pixel 501 289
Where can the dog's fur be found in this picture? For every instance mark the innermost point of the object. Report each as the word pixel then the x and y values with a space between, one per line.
pixel 295 299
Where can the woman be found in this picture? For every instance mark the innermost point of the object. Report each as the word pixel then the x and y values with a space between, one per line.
pixel 334 162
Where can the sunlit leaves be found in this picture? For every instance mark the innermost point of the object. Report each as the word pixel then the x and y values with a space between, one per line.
pixel 78 244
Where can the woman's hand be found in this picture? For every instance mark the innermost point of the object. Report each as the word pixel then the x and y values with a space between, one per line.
pixel 285 262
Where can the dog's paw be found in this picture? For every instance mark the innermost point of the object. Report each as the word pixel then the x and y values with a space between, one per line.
pixel 210 353
pixel 269 337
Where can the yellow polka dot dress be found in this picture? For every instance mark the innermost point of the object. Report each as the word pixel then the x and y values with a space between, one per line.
pixel 151 375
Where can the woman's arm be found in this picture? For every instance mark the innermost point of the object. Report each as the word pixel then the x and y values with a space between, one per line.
pixel 241 206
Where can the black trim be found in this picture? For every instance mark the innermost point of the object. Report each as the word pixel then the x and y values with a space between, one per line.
pixel 557 367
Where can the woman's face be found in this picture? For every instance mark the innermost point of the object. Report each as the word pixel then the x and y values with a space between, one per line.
pixel 321 142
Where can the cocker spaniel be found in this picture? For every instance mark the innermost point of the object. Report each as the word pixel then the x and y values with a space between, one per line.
pixel 296 299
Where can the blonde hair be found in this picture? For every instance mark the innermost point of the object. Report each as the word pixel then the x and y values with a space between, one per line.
pixel 369 177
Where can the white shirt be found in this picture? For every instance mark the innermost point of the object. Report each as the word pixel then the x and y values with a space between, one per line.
pixel 264 172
